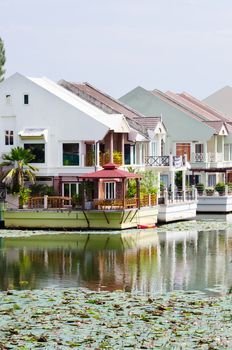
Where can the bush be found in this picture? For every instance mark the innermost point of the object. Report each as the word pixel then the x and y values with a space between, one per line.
pixel 200 188
pixel 42 190
pixel 209 191
pixel 220 187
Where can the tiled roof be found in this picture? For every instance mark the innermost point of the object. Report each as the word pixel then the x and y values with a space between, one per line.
pixel 149 122
pixel 103 98
pixel 196 109
pixel 206 107
pixel 106 103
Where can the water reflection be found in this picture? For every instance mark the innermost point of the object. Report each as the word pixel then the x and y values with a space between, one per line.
pixel 142 261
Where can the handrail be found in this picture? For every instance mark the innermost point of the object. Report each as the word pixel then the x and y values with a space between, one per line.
pixel 47 202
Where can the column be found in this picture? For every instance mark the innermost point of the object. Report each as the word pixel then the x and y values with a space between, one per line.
pixel 205 159
pixel 131 154
pixel 122 148
pixel 184 184
pixel 97 154
pixel 223 145
pixel 111 147
pixel 173 185
pixel 215 148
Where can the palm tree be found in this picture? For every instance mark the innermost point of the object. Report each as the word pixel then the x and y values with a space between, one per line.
pixel 18 160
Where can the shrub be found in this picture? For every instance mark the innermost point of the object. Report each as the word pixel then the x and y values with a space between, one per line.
pixel 42 190
pixel 220 187
pixel 209 191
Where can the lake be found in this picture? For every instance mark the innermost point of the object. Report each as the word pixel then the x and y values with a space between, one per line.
pixel 144 261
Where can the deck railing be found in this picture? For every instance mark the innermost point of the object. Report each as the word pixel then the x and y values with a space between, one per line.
pixel 47 202
pixel 110 204
pixel 178 196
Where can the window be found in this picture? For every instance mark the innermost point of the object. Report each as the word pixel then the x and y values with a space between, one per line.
pixel 26 99
pixel 71 154
pixel 211 180
pixel 199 148
pixel 9 137
pixel 70 189
pixel 228 151
pixel 153 148
pixel 109 190
pixel 8 99
pixel 38 150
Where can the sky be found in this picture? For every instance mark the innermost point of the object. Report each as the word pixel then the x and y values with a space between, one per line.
pixel 116 45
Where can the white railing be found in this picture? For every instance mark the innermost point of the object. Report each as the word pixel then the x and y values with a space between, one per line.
pixel 208 157
pixel 169 161
pixel 179 196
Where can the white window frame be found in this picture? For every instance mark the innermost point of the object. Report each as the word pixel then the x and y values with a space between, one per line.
pixel 110 190
pixel 80 158
pixel 210 183
pixel 45 150
pixel 70 184
pixel 154 148
pixel 228 149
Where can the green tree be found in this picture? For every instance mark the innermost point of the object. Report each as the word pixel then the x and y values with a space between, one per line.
pixel 19 168
pixel 2 60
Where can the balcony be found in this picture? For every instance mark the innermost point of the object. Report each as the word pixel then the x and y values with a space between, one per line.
pixel 165 161
pixel 207 157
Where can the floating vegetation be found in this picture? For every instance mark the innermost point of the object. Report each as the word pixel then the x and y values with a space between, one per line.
pixel 81 319
pixel 204 225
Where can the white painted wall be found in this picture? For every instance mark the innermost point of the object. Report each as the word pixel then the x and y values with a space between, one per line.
pixel 65 123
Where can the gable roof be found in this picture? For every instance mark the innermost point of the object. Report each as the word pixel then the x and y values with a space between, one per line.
pixel 221 100
pixel 197 109
pixel 110 105
pixel 118 123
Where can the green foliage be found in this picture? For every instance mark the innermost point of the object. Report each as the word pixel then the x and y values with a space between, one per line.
pixel 148 183
pixel 18 160
pixel 200 187
pixel 24 194
pixel 131 188
pixel 209 191
pixel 76 200
pixel 42 190
pixel 220 187
pixel 178 179
pixel 2 60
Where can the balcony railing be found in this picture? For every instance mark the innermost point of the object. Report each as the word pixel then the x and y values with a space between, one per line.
pixel 128 203
pixel 207 157
pixel 46 202
pixel 158 161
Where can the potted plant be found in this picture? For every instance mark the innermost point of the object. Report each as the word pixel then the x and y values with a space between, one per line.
pixel 220 188
pixel 209 191
pixel 24 194
pixel 200 188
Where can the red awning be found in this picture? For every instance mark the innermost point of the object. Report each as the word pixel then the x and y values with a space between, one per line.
pixel 110 171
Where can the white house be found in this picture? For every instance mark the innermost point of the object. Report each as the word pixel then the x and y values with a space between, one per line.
pixel 68 134
pixel 56 125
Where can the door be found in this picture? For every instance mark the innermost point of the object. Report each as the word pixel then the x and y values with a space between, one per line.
pixel 182 149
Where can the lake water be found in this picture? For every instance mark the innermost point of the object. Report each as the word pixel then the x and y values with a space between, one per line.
pixel 135 261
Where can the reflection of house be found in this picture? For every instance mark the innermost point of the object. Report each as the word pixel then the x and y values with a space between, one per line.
pixel 194 129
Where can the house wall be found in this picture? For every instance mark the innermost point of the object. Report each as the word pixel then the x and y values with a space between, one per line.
pixel 64 122
pixel 181 127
